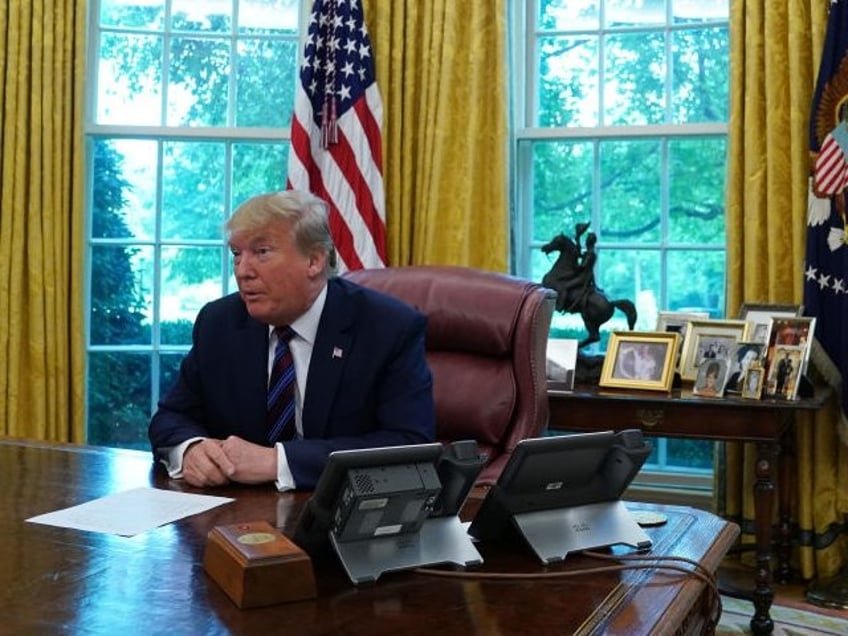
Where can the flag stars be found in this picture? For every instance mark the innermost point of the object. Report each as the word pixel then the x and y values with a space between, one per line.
pixel 344 92
pixel 350 47
pixel 364 51
pixel 838 286
pixel 347 69
pixel 824 281
pixel 811 273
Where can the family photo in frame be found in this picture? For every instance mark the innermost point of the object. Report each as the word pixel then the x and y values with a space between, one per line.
pixel 760 316
pixel 746 354
pixel 752 383
pixel 709 340
pixel 787 356
pixel 712 377
pixel 640 360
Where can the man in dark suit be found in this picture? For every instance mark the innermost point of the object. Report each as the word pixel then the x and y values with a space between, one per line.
pixel 361 378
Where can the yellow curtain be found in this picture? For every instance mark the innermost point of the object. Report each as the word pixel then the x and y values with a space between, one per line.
pixel 775 51
pixel 41 279
pixel 442 72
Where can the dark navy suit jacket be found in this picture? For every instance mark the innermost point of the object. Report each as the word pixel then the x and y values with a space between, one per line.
pixel 368 381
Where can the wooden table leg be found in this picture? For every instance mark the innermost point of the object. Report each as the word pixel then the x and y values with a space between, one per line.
pixel 762 623
pixel 786 461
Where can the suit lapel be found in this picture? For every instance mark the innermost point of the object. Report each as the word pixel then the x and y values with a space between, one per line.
pixel 251 376
pixel 332 342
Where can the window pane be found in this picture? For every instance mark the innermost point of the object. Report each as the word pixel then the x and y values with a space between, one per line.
pixel 701 63
pixel 191 277
pixel 120 294
pixel 568 81
pixel 562 187
pixel 193 185
pixel 690 11
pixel 129 87
pixel 267 72
pixel 634 275
pixel 193 15
pixel 630 13
pixel 123 193
pixel 631 203
pixel 268 16
pixel 691 453
pixel 118 399
pixel 198 83
pixel 562 15
pixel 258 168
pixel 137 14
pixel 697 169
pixel 634 79
pixel 696 281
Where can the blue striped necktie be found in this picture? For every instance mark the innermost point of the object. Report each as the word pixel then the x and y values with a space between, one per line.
pixel 281 386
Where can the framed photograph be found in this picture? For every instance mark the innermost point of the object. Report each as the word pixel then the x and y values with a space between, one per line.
pixel 561 363
pixel 677 320
pixel 752 382
pixel 709 340
pixel 791 332
pixel 712 376
pixel 760 317
pixel 784 372
pixel 745 355
pixel 640 360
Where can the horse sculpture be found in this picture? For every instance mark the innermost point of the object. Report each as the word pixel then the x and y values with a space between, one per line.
pixel 573 278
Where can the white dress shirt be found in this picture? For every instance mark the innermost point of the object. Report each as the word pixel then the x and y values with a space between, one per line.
pixel 306 326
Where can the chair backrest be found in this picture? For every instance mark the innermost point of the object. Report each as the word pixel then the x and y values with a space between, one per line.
pixel 487 336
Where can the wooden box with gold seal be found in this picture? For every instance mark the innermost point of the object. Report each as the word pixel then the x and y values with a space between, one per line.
pixel 257 565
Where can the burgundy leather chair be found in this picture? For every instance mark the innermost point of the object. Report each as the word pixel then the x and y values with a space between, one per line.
pixel 486 346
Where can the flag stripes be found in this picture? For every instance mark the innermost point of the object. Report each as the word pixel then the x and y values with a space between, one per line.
pixel 336 144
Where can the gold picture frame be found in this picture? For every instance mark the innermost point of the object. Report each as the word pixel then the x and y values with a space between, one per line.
pixel 640 360
pixel 752 382
pixel 707 339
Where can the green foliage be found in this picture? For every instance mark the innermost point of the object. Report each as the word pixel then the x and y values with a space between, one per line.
pixel 116 305
pixel 118 383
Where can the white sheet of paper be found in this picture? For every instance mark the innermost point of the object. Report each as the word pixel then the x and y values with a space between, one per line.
pixel 130 512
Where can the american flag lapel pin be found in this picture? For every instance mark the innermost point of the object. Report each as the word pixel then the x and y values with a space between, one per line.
pixel 337 353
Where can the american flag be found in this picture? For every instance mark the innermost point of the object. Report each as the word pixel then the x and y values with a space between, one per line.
pixel 336 144
pixel 826 266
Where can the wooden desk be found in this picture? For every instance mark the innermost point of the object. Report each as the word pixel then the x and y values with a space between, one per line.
pixel 680 414
pixel 62 581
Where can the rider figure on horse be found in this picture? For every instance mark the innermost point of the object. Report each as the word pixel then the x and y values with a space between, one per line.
pixel 582 280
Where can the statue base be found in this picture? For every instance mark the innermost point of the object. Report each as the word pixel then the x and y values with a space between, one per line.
pixel 588 369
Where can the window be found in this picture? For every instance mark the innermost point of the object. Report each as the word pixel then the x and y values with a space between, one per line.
pixel 620 114
pixel 188 115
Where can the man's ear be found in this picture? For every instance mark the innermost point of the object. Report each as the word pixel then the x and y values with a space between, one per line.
pixel 317 263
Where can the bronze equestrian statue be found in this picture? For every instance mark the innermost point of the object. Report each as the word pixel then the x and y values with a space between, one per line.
pixel 573 278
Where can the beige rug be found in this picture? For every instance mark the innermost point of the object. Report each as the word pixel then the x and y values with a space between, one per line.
pixel 788 620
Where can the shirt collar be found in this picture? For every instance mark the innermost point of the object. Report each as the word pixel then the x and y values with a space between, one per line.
pixel 306 325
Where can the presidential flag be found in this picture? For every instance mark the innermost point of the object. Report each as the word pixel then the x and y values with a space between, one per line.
pixel 826 266
pixel 336 143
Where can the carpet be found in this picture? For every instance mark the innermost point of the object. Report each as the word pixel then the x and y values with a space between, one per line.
pixel 788 620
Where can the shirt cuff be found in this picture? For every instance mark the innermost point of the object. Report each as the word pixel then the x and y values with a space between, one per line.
pixel 285 479
pixel 173 459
